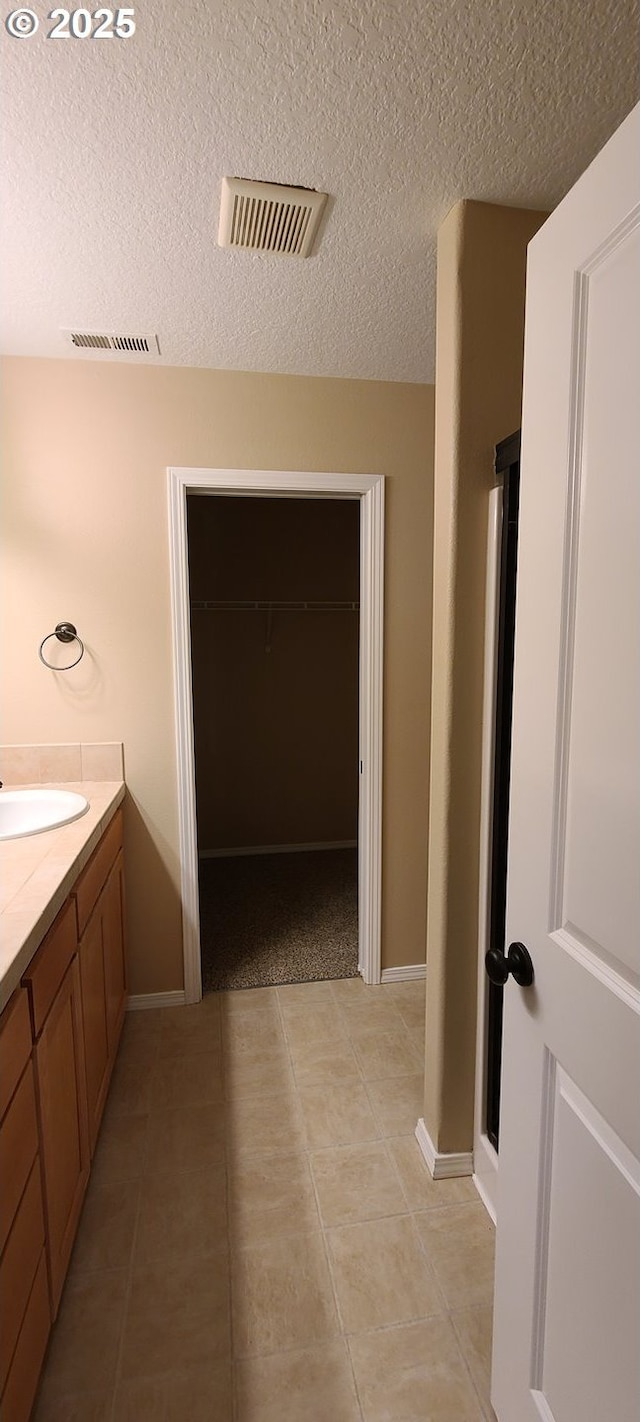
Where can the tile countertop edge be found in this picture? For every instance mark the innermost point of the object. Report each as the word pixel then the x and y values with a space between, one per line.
pixel 16 956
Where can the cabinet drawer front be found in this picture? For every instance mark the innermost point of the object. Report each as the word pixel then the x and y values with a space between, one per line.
pixel 24 1373
pixel 46 971
pixel 15 1045
pixel 18 1267
pixel 18 1149
pixel 92 879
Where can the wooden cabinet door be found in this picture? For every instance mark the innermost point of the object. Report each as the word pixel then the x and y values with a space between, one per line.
pixel 114 953
pixel 91 955
pixel 60 1072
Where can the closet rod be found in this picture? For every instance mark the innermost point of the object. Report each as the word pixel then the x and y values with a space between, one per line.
pixel 258 606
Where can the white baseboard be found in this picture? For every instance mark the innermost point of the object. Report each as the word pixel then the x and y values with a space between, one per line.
pixel 140 1000
pixel 441 1166
pixel 275 849
pixel 403 975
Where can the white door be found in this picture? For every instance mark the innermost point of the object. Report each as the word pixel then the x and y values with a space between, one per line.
pixel 567 1310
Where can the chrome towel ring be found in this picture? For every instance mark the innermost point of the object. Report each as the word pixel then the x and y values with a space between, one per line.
pixel 65 632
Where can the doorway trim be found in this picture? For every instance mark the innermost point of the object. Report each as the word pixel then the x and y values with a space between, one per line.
pixel 369 489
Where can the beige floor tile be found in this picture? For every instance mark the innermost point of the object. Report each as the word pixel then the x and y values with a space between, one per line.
pixel 356 1182
pixel 387 1054
pixel 349 989
pixel 178 1316
pixel 182 1215
pixel 411 990
pixel 282 1295
pixel 249 1032
pixel 263 1125
pixel 131 1086
pixel 258 1072
pixel 243 1000
pixel 474 1327
pixel 185 1138
pixel 381 1277
pixel 306 995
pixel 313 1385
pixel 315 1024
pixel 192 1080
pixel 137 1046
pixel 361 1019
pixel 122 1148
pixel 83 1351
pixel 199 1395
pixel 271 1196
pixel 107 1224
pixel 459 1242
pixel 144 1025
pixel 75 1407
pixel 397 1103
pixel 412 1012
pixel 317 1062
pixel 421 1190
pixel 418 1039
pixel 413 1373
pixel 336 1114
pixel 189 1029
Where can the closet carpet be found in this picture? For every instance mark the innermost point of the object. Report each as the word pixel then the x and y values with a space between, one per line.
pixel 267 919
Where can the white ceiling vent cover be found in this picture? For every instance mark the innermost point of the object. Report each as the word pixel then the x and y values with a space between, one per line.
pixel 126 345
pixel 262 217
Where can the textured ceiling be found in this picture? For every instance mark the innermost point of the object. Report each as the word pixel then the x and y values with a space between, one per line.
pixel 114 152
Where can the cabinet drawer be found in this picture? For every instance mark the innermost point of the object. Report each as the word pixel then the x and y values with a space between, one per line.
pixel 18 1268
pixel 24 1373
pixel 15 1045
pixel 18 1149
pixel 93 877
pixel 47 969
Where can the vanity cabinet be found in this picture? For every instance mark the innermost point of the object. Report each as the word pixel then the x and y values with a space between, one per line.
pixel 59 1036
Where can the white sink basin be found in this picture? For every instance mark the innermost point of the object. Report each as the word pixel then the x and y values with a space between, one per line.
pixel 25 812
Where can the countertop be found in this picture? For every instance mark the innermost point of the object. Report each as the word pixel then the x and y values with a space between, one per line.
pixel 37 872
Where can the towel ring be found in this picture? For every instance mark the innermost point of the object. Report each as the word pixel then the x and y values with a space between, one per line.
pixel 65 632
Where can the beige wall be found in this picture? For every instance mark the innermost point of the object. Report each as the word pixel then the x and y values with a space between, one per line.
pixel 86 446
pixel 275 721
pixel 480 331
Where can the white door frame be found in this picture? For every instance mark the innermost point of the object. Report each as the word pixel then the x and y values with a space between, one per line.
pixel 485 1158
pixel 369 489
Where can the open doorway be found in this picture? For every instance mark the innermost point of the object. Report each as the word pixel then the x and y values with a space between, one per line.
pixel 368 492
pixel 274 610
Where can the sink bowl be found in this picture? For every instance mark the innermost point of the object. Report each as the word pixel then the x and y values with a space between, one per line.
pixel 25 812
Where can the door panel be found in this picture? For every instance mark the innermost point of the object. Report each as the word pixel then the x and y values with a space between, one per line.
pixel 599 884
pixel 595 1250
pixel 567 1307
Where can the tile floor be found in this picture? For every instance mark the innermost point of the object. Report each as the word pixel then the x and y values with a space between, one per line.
pixel 261 1240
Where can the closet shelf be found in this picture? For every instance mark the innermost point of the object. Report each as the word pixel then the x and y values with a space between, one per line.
pixel 259 606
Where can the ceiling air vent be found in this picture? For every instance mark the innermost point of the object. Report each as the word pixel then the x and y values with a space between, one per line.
pixel 261 217
pixel 110 341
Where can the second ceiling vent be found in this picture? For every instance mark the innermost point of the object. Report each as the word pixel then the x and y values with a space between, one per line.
pixel 262 217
